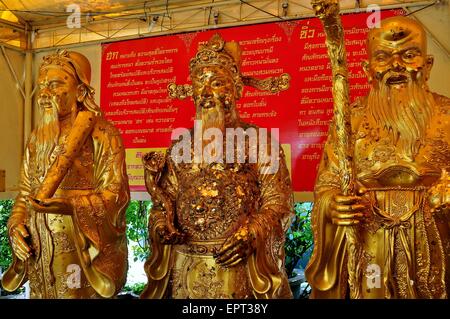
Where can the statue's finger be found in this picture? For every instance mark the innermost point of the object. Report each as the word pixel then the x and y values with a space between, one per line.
pixel 20 242
pixel 345 222
pixel 21 253
pixel 229 243
pixel 224 256
pixel 22 230
pixel 48 201
pixel 234 263
pixel 344 199
pixel 227 255
pixel 350 208
pixel 340 215
pixel 34 205
pixel 231 260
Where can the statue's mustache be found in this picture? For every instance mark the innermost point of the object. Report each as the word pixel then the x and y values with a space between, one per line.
pixel 391 77
pixel 47 103
pixel 207 103
pixel 213 116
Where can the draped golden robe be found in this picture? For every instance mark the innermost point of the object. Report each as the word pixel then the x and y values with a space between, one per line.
pixel 405 245
pixel 211 203
pixel 83 255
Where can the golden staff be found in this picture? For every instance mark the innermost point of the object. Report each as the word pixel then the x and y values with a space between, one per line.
pixel 328 12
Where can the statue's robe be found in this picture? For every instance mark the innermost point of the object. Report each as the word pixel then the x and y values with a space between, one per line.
pixel 83 255
pixel 406 248
pixel 212 202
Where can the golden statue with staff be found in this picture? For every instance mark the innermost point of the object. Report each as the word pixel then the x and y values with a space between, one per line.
pixel 382 196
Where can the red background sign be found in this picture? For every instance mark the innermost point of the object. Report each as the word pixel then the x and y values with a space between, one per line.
pixel 135 75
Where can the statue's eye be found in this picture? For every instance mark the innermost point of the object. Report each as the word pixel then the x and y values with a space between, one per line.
pixel 53 85
pixel 217 83
pixel 410 54
pixel 381 57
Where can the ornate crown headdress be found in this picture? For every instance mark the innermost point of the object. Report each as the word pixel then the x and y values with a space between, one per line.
pixel 217 52
pixel 227 55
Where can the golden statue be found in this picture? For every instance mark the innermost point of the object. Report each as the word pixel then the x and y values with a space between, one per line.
pixel 67 227
pixel 217 226
pixel 381 224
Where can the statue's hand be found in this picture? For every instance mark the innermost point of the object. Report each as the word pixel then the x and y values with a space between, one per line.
pixel 236 248
pixel 18 235
pixel 51 205
pixel 439 195
pixel 167 237
pixel 348 210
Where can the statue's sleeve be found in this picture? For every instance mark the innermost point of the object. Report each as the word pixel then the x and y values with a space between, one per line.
pixel 269 224
pixel 16 275
pixel 99 216
pixel 157 267
pixel 325 270
pixel 169 181
pixel 19 212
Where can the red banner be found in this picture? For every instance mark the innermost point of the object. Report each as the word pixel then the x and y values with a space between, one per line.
pixel 135 75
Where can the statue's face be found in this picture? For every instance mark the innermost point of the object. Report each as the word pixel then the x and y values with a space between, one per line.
pixel 397 53
pixel 213 87
pixel 57 89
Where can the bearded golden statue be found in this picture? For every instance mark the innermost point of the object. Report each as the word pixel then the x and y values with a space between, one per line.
pixel 67 227
pixel 400 152
pixel 217 226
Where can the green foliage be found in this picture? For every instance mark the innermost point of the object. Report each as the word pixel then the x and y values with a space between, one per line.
pixel 137 228
pixel 136 288
pixel 299 238
pixel 5 250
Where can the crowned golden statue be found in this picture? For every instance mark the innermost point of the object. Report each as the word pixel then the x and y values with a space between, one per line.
pixel 67 227
pixel 217 226
pixel 389 238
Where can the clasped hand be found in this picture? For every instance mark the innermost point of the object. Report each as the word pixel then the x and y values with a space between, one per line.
pixel 167 237
pixel 348 210
pixel 18 235
pixel 51 205
pixel 19 232
pixel 236 248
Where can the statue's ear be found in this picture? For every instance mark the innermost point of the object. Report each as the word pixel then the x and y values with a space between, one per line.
pixel 428 66
pixel 366 69
pixel 81 92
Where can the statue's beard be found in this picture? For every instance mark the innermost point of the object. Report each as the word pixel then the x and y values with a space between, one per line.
pixel 212 116
pixel 46 137
pixel 211 113
pixel 404 112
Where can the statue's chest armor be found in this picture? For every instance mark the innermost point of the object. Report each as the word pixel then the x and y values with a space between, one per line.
pixel 213 201
pixel 380 163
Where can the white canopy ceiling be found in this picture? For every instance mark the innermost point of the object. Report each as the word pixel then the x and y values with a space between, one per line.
pixel 40 24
